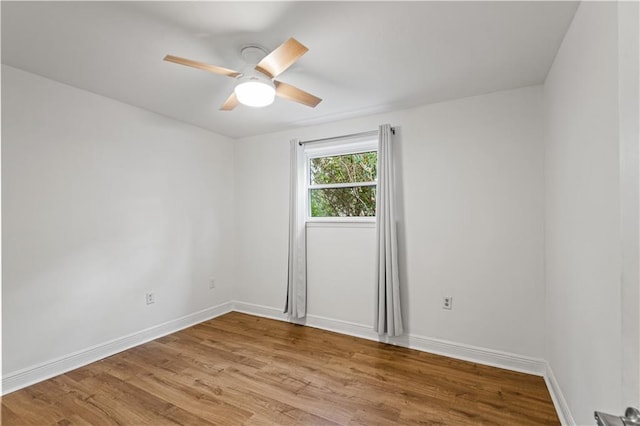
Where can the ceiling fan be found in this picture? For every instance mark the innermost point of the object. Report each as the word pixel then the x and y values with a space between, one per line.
pixel 256 85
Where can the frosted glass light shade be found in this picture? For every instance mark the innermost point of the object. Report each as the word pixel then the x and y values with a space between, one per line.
pixel 255 93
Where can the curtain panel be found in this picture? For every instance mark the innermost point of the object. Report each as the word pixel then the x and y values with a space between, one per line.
pixel 296 304
pixel 388 316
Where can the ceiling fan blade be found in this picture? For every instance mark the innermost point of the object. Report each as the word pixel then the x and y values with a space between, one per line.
pixel 201 65
pixel 281 58
pixel 292 93
pixel 230 103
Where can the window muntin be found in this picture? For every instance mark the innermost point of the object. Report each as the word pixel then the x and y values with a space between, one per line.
pixel 341 181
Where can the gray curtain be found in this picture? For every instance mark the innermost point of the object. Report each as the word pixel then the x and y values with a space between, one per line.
pixel 388 318
pixel 296 304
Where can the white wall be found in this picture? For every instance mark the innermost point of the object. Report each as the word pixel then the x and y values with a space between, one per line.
pixel 340 273
pixel 471 224
pixel 103 202
pixel 585 280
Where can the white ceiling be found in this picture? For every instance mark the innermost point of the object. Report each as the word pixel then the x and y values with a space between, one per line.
pixel 364 57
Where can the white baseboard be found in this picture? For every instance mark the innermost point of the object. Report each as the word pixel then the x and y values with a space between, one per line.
pixel 566 419
pixel 479 355
pixel 461 351
pixel 259 310
pixel 28 376
pixel 484 356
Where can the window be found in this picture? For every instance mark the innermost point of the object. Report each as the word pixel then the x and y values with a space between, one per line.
pixel 341 180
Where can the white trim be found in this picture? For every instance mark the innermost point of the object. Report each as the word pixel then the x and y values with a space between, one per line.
pixel 259 310
pixel 46 370
pixel 562 408
pixel 341 223
pixel 28 376
pixel 484 356
pixel 341 185
pixel 358 135
pixel 479 355
pixel 342 147
pixel 456 350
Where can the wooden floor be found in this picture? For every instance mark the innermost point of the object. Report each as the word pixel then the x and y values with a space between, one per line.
pixel 241 369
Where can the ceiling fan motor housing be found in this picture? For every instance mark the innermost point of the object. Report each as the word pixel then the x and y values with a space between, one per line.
pixel 252 54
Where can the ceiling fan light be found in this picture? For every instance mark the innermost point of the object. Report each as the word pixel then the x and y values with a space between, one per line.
pixel 255 93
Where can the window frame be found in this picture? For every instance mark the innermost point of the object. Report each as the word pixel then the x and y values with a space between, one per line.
pixel 331 149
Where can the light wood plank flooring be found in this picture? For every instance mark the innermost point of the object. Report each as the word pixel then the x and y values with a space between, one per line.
pixel 241 369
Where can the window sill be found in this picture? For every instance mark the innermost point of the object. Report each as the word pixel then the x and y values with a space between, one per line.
pixel 345 223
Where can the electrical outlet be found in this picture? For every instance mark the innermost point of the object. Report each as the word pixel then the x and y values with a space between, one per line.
pixel 212 283
pixel 447 302
pixel 151 298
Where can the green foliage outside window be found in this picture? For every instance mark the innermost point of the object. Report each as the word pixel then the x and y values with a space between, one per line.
pixel 350 201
